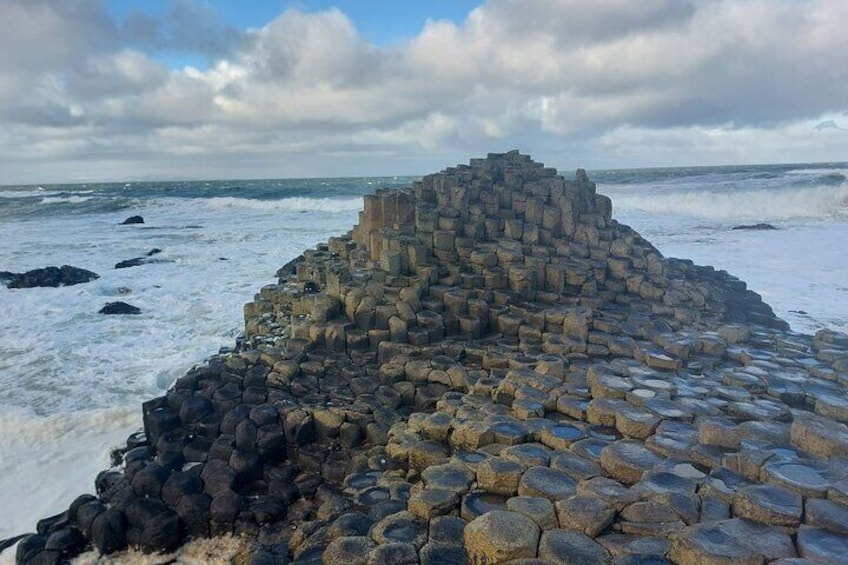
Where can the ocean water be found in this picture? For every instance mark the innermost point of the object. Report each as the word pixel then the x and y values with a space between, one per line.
pixel 73 380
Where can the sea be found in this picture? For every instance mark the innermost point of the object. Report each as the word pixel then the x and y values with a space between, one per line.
pixel 73 380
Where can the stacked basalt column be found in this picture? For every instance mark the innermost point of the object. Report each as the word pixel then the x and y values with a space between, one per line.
pixel 500 246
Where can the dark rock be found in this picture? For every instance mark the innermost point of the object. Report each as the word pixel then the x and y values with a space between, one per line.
pixel 67 541
pixel 152 526
pixel 217 477
pixel 178 485
pixel 109 531
pixel 149 481
pixel 9 542
pixel 224 508
pixel 144 260
pixel 65 275
pixel 119 308
pixel 760 226
pixel 158 419
pixel 29 547
pixel 193 510
pixel 86 514
pixel 194 409
pixel 49 525
pixel 133 220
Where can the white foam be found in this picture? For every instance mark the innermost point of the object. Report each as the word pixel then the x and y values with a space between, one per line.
pixel 761 205
pixel 799 269
pixel 295 204
pixel 47 461
pixel 82 375
pixel 65 199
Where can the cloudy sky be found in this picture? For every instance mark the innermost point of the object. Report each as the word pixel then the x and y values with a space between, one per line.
pixel 155 89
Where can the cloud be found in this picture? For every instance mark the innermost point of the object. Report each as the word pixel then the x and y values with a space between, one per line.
pixel 602 84
pixel 186 26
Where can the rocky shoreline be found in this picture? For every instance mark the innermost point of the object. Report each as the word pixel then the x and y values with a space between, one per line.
pixel 488 368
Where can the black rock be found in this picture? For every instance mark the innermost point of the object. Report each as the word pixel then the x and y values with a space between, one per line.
pixel 49 525
pixel 135 262
pixel 178 485
pixel 119 308
pixel 133 220
pixel 193 510
pixel 65 275
pixel 75 505
pixel 67 541
pixel 145 260
pixel 7 543
pixel 162 534
pixel 86 514
pixel 109 531
pixel 29 546
pixel 148 481
pixel 760 226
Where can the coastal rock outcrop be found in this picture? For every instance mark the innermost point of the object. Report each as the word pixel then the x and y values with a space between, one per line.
pixel 133 220
pixel 119 307
pixel 489 367
pixel 65 275
pixel 149 257
pixel 757 227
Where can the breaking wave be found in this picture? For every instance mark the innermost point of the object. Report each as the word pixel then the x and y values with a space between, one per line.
pixel 293 204
pixel 809 202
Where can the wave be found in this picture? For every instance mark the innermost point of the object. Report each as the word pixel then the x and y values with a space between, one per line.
pixel 15 194
pixel 65 199
pixel 810 202
pixel 293 204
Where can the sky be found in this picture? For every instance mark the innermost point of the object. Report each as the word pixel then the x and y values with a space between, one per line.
pixel 96 90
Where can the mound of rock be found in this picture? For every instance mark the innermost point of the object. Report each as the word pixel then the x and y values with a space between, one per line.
pixel 488 368
pixel 65 275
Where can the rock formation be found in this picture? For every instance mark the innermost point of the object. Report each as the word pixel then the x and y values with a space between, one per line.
pixel 488 367
pixel 66 275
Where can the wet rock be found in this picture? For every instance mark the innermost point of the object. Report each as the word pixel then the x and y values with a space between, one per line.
pixel 65 275
pixel 758 227
pixel 119 308
pixel 133 220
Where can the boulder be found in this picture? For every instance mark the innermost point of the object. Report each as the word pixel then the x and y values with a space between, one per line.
pixel 119 308
pixel 761 227
pixel 145 260
pixel 65 275
pixel 133 220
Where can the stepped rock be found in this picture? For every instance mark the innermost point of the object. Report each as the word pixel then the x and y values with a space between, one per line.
pixel 489 367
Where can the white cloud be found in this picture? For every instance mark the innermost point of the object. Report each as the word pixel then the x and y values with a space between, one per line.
pixel 596 84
